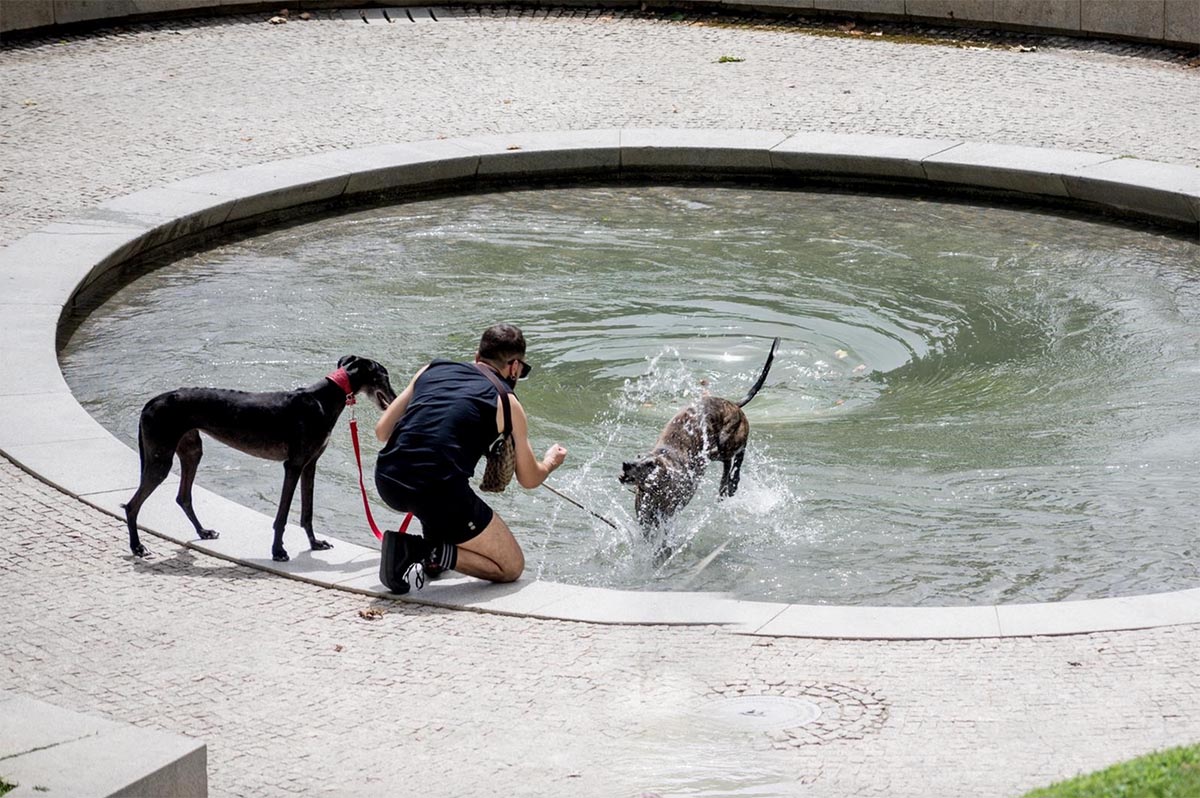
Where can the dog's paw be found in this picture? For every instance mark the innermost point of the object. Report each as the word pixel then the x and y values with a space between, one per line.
pixel 208 534
pixel 279 555
pixel 321 545
pixel 141 551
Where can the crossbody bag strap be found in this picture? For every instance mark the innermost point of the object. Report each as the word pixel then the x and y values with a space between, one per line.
pixel 504 391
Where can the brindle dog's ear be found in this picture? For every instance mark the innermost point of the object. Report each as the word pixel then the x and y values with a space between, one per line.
pixel 346 360
pixel 636 471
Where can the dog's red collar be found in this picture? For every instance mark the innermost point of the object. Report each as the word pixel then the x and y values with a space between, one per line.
pixel 342 380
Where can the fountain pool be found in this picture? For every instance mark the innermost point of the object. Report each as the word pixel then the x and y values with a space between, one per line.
pixel 971 405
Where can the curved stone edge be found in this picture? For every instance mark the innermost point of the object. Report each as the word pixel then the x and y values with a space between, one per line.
pixel 45 430
pixel 1168 22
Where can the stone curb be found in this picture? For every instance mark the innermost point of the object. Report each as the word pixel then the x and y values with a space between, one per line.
pixel 47 750
pixel 43 276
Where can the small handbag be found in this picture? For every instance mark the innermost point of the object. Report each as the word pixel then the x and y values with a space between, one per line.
pixel 502 454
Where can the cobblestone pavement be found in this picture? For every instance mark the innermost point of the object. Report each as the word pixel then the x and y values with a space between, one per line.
pixel 301 690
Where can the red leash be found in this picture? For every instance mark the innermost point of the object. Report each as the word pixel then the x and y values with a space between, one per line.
pixel 342 380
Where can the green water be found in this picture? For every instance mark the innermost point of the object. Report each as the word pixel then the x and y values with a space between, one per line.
pixel 970 405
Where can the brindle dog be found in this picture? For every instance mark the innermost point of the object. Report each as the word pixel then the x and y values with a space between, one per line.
pixel 666 479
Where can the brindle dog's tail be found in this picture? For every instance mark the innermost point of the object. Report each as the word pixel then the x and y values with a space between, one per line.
pixel 761 377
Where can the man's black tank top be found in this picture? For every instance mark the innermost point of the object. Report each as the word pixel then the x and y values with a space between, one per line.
pixel 448 425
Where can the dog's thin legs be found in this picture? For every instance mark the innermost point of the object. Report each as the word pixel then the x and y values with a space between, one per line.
pixel 732 474
pixel 190 450
pixel 156 465
pixel 132 507
pixel 307 478
pixel 291 475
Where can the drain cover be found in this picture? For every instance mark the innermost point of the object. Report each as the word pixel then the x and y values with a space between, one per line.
pixel 763 712
pixel 793 714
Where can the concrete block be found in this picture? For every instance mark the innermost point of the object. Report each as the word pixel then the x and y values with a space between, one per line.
pixel 245 533
pixel 1145 19
pixel 167 213
pixel 25 14
pixel 274 186
pixel 27 347
pixel 786 5
pixel 67 12
pixel 26 420
pixel 577 152
pixel 108 242
pixel 979 11
pixel 79 466
pixel 1100 615
pixel 883 623
pixel 160 513
pixel 855 154
pixel 599 605
pixel 48 750
pixel 1182 24
pixel 1054 14
pixel 698 151
pixel 47 266
pixel 449 13
pixel 1159 190
pixel 246 536
pixel 171 6
pixel 1028 170
pixel 396 166
pixel 523 597
pixel 887 7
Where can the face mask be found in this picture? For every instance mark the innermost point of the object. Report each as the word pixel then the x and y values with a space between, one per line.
pixel 525 369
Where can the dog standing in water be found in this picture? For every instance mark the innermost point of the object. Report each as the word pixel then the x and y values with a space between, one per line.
pixel 666 479
pixel 289 426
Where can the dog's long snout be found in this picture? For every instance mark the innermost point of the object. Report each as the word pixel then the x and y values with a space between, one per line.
pixel 384 397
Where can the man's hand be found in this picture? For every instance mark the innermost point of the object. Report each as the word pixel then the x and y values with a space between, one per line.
pixel 554 457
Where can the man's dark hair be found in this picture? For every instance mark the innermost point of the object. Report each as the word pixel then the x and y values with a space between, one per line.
pixel 501 343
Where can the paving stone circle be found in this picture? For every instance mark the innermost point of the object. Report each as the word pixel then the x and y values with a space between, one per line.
pixel 794 714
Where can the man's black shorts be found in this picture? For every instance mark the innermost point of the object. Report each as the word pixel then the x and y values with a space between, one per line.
pixel 449 512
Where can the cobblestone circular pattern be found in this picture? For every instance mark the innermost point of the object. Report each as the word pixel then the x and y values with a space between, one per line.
pixel 844 712
pixel 762 712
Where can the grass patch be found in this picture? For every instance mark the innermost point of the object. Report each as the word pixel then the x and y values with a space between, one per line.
pixel 730 59
pixel 5 787
pixel 1174 773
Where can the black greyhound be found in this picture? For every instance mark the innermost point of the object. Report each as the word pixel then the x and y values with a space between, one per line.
pixel 291 426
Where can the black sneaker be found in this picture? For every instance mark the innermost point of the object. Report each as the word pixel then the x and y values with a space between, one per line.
pixel 399 554
pixel 431 569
